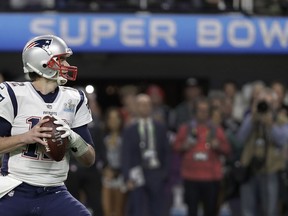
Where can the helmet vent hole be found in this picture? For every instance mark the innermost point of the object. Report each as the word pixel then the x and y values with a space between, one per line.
pixel 44 65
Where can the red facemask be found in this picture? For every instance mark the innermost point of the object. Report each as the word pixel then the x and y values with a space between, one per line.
pixel 67 72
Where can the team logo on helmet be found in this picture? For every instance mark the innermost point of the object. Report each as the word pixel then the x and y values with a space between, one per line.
pixel 42 43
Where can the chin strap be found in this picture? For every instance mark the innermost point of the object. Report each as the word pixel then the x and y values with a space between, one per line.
pixel 61 80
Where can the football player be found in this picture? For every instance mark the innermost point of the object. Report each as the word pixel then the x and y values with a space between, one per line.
pixel 31 182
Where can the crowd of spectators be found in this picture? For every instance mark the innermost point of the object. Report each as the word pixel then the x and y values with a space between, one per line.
pixel 266 7
pixel 225 146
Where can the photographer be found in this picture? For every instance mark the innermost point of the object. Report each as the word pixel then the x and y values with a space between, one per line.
pixel 202 144
pixel 261 158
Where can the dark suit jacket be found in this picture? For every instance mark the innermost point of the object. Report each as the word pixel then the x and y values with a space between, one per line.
pixel 131 152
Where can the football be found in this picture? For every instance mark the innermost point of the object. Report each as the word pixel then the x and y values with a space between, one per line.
pixel 56 146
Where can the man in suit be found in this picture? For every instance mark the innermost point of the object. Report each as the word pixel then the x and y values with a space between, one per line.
pixel 145 161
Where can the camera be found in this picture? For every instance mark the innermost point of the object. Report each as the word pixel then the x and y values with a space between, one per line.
pixel 262 107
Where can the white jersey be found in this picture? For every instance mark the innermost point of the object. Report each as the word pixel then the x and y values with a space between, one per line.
pixel 23 107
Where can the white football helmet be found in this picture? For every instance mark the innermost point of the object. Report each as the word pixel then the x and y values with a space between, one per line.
pixel 43 55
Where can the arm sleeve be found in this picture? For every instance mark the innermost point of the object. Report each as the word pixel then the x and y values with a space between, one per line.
pixel 84 132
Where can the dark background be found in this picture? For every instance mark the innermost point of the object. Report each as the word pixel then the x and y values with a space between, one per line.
pixel 109 71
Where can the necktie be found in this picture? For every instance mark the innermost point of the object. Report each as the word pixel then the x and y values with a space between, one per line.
pixel 146 133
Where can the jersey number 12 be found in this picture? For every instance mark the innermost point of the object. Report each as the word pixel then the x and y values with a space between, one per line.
pixel 33 151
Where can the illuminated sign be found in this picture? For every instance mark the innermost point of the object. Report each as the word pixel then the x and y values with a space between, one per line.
pixel 168 33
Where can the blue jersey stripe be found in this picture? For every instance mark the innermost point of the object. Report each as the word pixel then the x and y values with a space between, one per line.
pixel 81 100
pixel 13 99
pixel 4 168
pixel 5 127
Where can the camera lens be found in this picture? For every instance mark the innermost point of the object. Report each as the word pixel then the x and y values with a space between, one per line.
pixel 262 107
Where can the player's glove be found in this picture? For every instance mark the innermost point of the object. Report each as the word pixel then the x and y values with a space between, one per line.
pixel 77 145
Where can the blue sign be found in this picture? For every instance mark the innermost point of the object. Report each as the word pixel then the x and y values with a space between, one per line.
pixel 150 33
